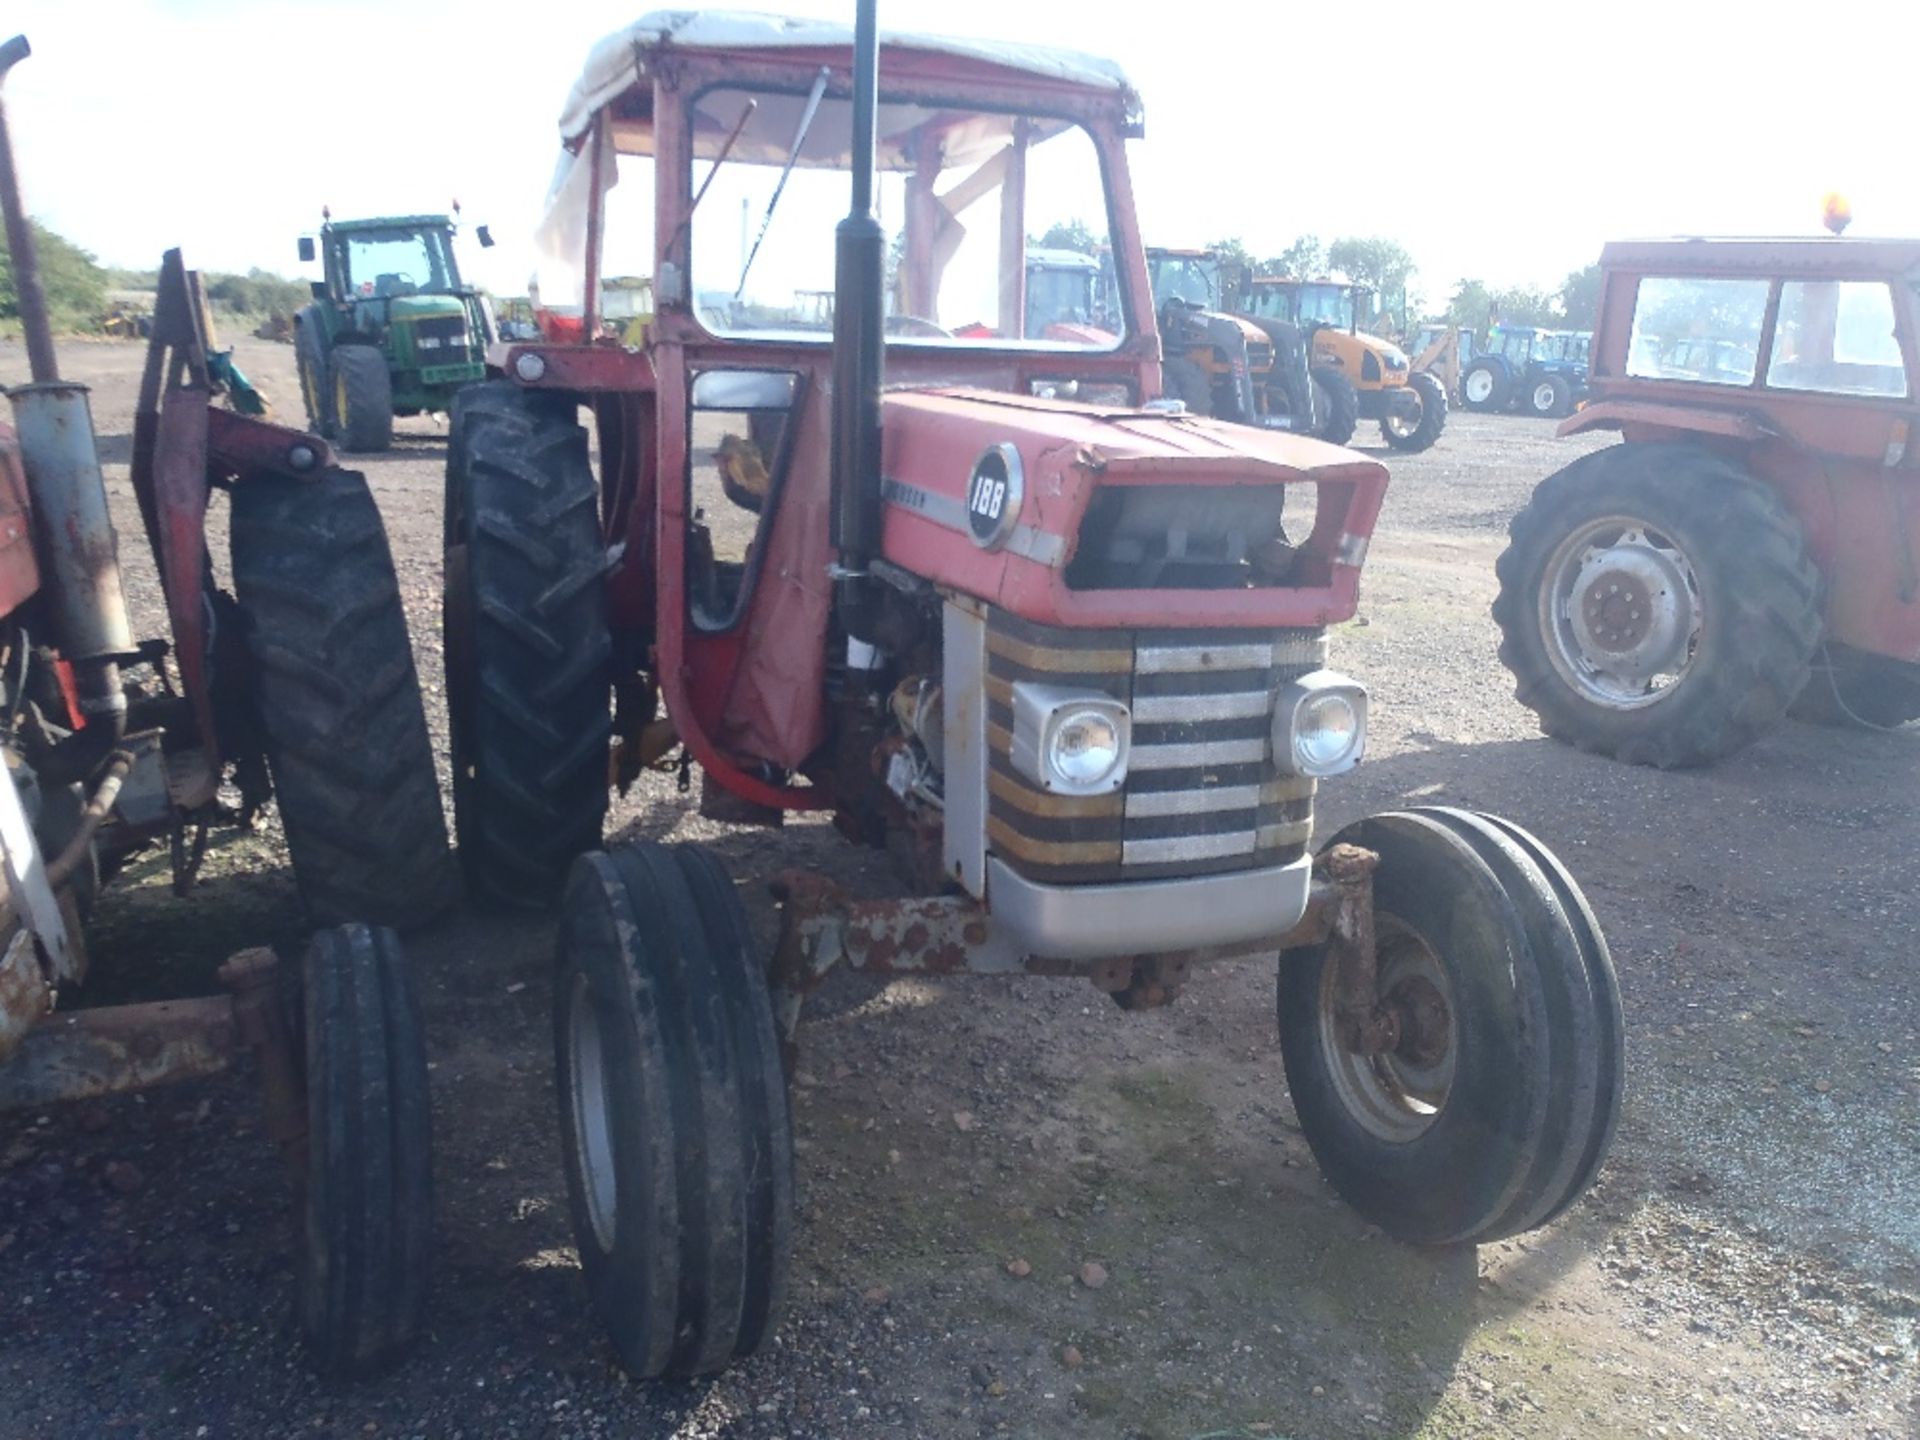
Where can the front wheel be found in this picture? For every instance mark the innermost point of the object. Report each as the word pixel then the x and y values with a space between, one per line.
pixel 1550 397
pixel 366 1199
pixel 673 1110
pixel 362 398
pixel 1419 432
pixel 1493 1107
pixel 1656 604
pixel 1336 406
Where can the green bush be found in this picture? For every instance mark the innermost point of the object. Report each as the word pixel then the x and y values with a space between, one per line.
pixel 75 285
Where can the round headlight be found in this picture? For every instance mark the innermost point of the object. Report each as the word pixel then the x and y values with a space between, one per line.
pixel 529 366
pixel 1083 749
pixel 1325 733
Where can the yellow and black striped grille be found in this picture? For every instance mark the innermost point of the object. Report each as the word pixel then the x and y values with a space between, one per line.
pixel 1202 794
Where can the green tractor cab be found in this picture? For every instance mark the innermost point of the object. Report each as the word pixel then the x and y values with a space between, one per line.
pixel 392 330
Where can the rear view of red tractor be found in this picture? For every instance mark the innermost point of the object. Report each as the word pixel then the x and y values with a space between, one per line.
pixel 1752 546
pixel 1066 662
pixel 299 684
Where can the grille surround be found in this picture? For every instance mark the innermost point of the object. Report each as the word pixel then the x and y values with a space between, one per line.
pixel 1203 795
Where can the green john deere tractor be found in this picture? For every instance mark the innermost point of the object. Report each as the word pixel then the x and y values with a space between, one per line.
pixel 391 331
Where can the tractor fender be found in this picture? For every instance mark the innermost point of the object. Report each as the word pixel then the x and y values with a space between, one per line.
pixel 1654 419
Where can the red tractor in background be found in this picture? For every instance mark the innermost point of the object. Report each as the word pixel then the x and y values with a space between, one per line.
pixel 1751 546
pixel 298 685
pixel 1066 661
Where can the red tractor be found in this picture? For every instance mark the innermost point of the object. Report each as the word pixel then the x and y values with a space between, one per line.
pixel 1064 659
pixel 1751 547
pixel 297 685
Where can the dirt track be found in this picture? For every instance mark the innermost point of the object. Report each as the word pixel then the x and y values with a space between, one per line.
pixel 1749 1264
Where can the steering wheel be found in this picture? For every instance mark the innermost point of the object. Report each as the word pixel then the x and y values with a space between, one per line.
pixel 915 325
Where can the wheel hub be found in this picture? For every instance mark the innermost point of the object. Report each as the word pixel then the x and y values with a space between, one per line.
pixel 1631 609
pixel 1479 386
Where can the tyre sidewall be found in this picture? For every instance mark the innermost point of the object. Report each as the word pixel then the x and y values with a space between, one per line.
pixel 1671 503
pixel 1463 1169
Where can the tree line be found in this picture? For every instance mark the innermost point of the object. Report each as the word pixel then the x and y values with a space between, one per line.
pixel 77 286
pixel 1386 267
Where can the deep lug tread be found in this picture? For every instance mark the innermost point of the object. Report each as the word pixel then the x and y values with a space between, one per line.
pixel 367 425
pixel 1433 416
pixel 339 701
pixel 1761 590
pixel 1343 416
pixel 531 721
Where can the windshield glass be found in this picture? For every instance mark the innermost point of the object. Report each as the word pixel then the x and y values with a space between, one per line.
pixel 386 263
pixel 1060 296
pixel 957 191
pixel 1192 278
pixel 1326 305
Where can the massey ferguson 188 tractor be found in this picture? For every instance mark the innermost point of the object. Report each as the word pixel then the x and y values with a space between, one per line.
pixel 298 684
pixel 1066 660
pixel 1753 545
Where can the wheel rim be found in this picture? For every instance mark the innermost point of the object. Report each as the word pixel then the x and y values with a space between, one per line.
pixel 1404 427
pixel 1480 386
pixel 1620 609
pixel 1543 399
pixel 1398 1094
pixel 592 1125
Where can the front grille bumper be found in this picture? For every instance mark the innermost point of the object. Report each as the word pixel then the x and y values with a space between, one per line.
pixel 1203 795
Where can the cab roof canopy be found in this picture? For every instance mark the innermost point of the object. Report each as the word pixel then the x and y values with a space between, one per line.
pixel 619 72
pixel 394 222
pixel 1757 255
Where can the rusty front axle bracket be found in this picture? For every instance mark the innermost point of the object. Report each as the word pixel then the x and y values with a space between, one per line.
pixel 821 926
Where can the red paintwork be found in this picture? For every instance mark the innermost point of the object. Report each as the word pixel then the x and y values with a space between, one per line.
pixel 757 692
pixel 19 571
pixel 933 438
pixel 180 496
pixel 1848 467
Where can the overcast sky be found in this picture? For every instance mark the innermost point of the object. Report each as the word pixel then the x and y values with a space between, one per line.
pixel 1502 141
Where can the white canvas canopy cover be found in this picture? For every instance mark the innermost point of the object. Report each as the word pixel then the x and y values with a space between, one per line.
pixel 618 62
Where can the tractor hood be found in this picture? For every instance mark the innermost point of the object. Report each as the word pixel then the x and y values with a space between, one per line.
pixel 1390 355
pixel 419 307
pixel 1070 514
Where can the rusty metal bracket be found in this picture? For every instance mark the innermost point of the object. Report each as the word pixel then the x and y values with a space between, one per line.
pixel 1340 916
pixel 90 1053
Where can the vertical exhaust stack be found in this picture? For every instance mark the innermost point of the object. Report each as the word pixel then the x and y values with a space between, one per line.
pixel 858 347
pixel 79 563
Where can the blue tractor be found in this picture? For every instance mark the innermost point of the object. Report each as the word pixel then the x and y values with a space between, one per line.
pixel 1521 367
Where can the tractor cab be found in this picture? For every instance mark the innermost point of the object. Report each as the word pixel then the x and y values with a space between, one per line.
pixel 1219 363
pixel 1066 295
pixel 393 330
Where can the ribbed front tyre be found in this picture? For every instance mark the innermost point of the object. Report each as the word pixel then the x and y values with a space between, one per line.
pixel 673 1110
pixel 1492 1109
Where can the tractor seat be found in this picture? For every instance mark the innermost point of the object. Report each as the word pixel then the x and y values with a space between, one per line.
pixel 389 286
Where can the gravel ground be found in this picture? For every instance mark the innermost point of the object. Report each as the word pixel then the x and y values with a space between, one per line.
pixel 1749 1264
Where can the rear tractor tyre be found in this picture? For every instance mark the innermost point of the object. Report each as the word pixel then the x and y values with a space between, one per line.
pixel 362 398
pixel 1337 405
pixel 1484 387
pixel 366 1201
pixel 316 380
pixel 1420 434
pixel 338 700
pixel 1496 1105
pixel 1657 605
pixel 527 643
pixel 673 1110
pixel 1550 397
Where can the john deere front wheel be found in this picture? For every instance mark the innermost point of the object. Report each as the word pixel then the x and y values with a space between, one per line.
pixel 362 398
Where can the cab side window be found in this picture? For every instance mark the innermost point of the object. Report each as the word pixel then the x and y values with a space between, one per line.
pixel 1837 337
pixel 1707 331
